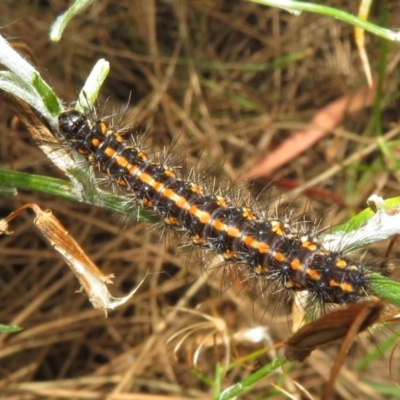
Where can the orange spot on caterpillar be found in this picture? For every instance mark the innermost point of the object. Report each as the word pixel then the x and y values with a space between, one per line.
pixel 307 244
pixel 341 263
pixel 122 162
pixel 295 265
pixel 277 228
pixel 279 256
pixel 109 152
pixel 233 232
pixel 313 274
pixel 103 128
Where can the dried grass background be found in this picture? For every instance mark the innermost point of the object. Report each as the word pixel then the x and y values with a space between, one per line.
pixel 190 68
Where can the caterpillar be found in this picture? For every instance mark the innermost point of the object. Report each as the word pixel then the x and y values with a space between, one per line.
pixel 270 249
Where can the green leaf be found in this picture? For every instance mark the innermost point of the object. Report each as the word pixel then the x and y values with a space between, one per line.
pixel 93 84
pixel 7 191
pixel 385 288
pixel 298 6
pixel 9 328
pixel 363 217
pixel 62 21
pixel 23 81
pixel 379 222
pixel 66 190
pixel 246 383
pixel 47 95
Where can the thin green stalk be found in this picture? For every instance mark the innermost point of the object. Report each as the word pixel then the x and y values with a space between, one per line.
pixel 66 190
pixel 247 383
pixel 351 19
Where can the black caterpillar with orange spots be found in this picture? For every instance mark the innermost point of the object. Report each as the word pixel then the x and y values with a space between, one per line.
pixel 267 248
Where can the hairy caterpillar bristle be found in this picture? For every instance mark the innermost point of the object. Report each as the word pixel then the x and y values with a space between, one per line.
pixel 286 255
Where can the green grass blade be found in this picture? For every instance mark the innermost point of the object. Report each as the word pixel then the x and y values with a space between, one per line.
pixel 247 383
pixel 64 189
pixel 63 20
pixel 9 328
pixel 344 16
